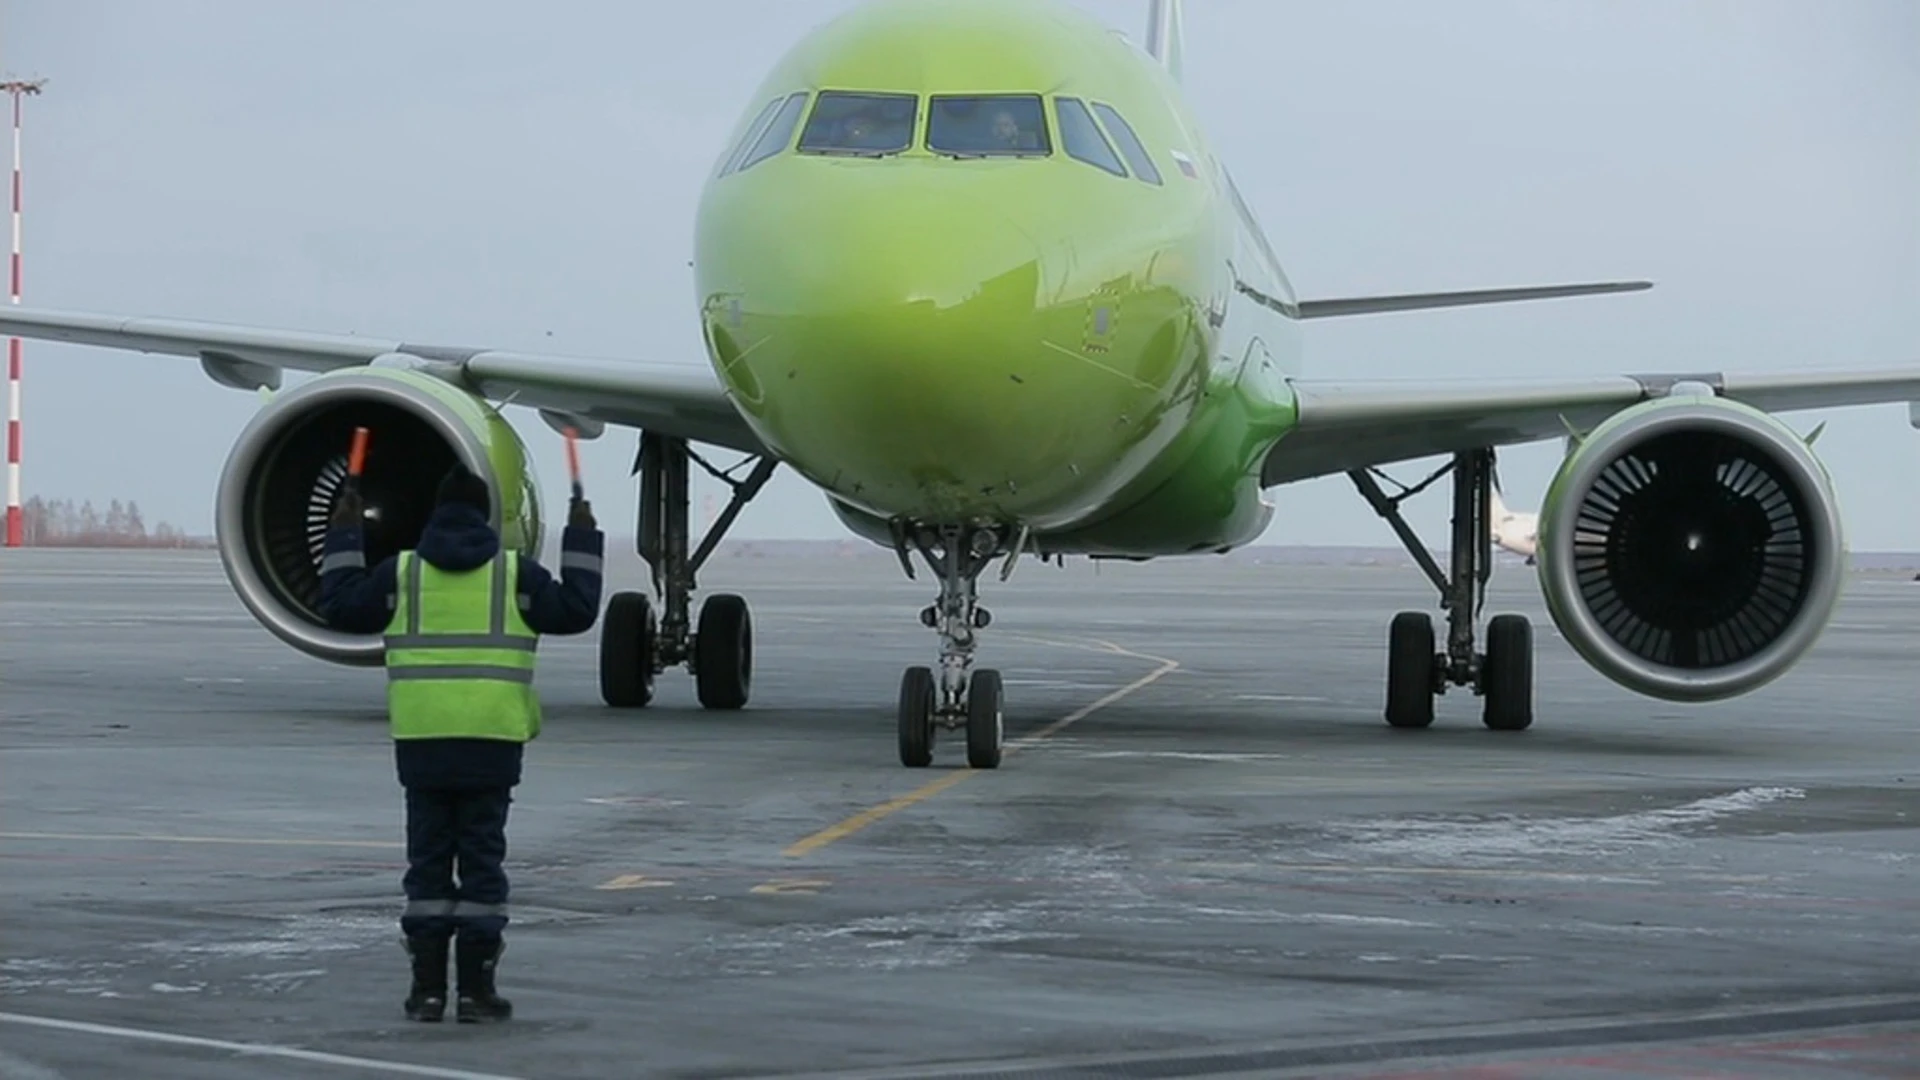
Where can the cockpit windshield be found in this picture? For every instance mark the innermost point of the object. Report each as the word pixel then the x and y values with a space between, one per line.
pixel 989 125
pixel 866 125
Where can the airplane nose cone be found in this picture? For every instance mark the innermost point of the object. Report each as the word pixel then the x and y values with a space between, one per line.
pixel 857 249
pixel 891 345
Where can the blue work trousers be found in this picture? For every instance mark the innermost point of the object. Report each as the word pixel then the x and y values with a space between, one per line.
pixel 449 829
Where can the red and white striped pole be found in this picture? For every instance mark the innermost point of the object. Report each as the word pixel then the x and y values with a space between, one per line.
pixel 16 525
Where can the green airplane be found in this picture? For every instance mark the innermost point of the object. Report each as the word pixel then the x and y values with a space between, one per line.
pixel 974 271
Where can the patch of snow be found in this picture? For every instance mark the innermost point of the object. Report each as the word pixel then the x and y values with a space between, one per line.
pixel 1441 840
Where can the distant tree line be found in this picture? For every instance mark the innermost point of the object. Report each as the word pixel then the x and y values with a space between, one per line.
pixel 59 523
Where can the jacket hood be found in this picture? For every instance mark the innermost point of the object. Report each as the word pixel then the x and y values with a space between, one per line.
pixel 458 537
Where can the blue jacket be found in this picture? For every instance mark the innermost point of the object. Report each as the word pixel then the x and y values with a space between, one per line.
pixel 360 600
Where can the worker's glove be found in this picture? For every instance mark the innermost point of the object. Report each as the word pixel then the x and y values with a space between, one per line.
pixel 580 515
pixel 349 511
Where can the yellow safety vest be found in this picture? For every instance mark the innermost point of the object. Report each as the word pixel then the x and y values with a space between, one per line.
pixel 459 655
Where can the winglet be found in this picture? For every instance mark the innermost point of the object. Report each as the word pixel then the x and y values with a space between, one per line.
pixel 1368 305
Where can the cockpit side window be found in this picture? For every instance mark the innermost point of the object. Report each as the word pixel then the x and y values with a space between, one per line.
pixel 728 163
pixel 991 125
pixel 1080 137
pixel 861 125
pixel 1122 133
pixel 778 134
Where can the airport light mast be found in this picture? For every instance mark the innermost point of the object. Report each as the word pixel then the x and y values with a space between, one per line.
pixel 16 526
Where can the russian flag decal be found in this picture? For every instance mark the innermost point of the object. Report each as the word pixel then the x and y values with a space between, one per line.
pixel 1185 163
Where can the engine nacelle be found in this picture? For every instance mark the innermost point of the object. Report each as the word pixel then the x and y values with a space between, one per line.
pixel 1690 548
pixel 286 470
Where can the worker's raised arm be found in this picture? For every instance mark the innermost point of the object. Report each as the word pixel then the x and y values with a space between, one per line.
pixel 571 604
pixel 354 598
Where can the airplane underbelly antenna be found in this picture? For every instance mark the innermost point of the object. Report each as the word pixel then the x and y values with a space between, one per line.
pixel 1164 36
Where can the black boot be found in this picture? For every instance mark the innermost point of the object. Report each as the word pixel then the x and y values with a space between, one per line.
pixel 475 961
pixel 427 999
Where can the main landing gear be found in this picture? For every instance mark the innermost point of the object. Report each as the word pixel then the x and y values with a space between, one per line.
pixel 956 697
pixel 634 647
pixel 1503 675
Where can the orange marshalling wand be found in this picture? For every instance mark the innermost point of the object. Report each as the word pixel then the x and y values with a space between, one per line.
pixel 573 465
pixel 357 459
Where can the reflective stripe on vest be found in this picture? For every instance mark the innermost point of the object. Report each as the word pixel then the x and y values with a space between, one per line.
pixel 459 656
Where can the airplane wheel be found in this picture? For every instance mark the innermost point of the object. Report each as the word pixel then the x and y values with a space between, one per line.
pixel 626 651
pixel 723 652
pixel 916 717
pixel 983 719
pixel 1507 673
pixel 1410 668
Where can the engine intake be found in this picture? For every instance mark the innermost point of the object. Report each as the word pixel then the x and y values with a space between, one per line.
pixel 287 468
pixel 1690 548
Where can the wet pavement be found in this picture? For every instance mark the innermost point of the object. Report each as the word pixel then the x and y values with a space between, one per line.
pixel 1206 856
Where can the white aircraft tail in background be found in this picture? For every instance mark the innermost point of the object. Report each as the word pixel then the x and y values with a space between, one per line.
pixel 1515 532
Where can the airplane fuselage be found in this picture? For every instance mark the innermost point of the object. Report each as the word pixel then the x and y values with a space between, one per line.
pixel 975 263
pixel 972 269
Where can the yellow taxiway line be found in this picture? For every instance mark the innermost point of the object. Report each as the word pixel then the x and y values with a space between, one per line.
pixel 869 816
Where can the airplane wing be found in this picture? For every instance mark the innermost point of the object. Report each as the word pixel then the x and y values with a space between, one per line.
pixel 1371 305
pixel 1343 426
pixel 684 400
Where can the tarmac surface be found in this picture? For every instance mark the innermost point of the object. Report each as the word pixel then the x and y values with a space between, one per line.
pixel 1207 854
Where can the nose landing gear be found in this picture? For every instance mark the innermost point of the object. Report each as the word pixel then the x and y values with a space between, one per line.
pixel 956 696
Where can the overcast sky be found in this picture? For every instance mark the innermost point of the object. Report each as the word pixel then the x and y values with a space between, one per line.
pixel 524 176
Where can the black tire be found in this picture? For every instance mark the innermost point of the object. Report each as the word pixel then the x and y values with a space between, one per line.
pixel 626 651
pixel 1410 665
pixel 916 717
pixel 723 652
pixel 1506 675
pixel 984 727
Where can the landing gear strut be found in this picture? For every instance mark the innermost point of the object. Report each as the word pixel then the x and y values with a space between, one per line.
pixel 634 647
pixel 1503 675
pixel 956 696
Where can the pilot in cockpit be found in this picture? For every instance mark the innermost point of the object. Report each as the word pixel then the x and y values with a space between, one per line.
pixel 1006 130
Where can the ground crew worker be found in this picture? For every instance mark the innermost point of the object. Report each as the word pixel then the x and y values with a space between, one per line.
pixel 461 619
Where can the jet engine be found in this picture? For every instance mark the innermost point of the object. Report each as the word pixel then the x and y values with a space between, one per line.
pixel 1690 548
pixel 287 468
